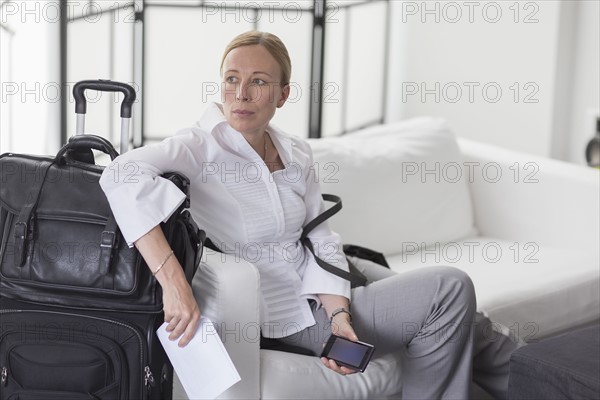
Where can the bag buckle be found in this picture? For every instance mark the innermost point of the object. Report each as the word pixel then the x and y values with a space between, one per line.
pixel 21 230
pixel 107 239
pixel 107 245
pixel 20 233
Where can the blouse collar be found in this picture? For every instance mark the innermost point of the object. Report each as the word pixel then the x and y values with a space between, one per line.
pixel 213 118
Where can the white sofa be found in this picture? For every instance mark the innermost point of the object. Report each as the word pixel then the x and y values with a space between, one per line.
pixel 525 228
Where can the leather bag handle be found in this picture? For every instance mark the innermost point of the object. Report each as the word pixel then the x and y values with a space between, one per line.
pixel 85 143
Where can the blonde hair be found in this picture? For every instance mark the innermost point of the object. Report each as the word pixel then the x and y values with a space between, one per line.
pixel 272 43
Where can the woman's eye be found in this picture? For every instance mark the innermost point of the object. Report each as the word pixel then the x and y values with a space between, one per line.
pixel 231 79
pixel 259 82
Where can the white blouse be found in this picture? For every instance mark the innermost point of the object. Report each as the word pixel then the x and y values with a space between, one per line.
pixel 245 209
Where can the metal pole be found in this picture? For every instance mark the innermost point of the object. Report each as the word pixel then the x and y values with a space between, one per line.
pixel 125 134
pixel 80 127
pixel 345 64
pixel 317 69
pixel 64 99
pixel 386 60
pixel 141 18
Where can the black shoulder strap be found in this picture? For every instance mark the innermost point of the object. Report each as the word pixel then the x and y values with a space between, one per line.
pixel 352 250
pixel 354 280
pixel 324 215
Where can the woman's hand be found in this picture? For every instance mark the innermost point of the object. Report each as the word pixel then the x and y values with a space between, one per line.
pixel 341 326
pixel 181 311
pixel 179 305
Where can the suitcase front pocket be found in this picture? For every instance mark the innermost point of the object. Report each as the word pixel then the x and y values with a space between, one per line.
pixel 45 367
pixel 75 366
pixel 54 351
pixel 58 358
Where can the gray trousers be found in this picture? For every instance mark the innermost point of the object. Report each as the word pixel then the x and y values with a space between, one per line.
pixel 430 315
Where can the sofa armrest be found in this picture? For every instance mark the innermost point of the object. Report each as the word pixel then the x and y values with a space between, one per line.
pixel 535 199
pixel 226 289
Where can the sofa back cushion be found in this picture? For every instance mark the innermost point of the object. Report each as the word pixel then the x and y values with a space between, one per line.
pixel 402 185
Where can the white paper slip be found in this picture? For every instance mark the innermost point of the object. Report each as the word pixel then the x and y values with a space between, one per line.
pixel 203 366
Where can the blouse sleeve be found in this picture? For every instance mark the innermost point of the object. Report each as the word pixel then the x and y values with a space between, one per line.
pixel 139 197
pixel 327 244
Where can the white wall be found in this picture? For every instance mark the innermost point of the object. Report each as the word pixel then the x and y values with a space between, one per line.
pixel 6 39
pixel 30 78
pixel 488 68
pixel 549 48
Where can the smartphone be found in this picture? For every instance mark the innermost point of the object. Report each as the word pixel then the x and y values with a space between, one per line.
pixel 355 355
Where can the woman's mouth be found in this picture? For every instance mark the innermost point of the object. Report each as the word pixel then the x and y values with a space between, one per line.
pixel 242 113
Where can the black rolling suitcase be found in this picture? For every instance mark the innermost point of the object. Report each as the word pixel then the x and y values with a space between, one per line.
pixel 78 308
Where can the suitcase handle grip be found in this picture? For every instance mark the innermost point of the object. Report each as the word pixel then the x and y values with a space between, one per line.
pixel 85 143
pixel 103 85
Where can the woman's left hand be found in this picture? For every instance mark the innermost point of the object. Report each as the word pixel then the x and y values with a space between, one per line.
pixel 341 326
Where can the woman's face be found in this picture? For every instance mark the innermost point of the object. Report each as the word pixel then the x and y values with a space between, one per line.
pixel 251 88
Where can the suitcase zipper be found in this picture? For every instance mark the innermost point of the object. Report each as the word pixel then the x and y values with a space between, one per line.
pixel 148 380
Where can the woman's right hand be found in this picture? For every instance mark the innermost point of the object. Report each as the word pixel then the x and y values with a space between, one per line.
pixel 181 310
pixel 179 305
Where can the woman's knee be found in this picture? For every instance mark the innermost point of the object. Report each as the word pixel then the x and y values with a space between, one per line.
pixel 460 283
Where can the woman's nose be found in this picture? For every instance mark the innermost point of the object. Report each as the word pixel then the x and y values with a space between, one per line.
pixel 241 92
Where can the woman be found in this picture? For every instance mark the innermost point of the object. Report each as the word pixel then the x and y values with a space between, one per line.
pixel 243 195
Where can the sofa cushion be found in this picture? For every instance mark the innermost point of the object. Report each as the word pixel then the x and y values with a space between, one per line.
pixel 530 288
pixel 400 182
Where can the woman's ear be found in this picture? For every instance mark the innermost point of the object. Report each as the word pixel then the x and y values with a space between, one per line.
pixel 285 93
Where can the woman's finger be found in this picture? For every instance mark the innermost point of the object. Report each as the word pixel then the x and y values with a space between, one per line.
pixel 347 371
pixel 190 330
pixel 172 324
pixel 331 364
pixel 179 329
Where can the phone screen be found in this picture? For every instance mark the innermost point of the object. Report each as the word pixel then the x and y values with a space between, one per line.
pixel 348 353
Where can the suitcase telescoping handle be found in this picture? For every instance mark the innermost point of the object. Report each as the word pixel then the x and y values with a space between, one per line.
pixel 102 85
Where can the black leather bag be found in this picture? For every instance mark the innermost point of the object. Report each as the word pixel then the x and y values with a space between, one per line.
pixel 60 244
